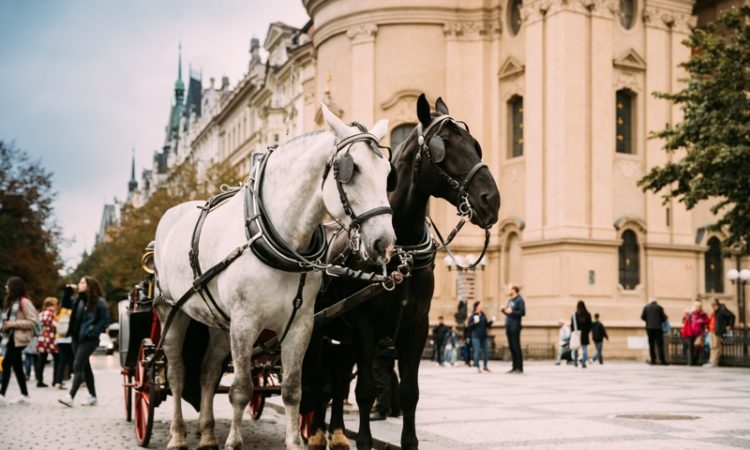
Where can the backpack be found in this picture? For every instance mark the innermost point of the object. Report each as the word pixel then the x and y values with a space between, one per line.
pixel 37 331
pixel 62 322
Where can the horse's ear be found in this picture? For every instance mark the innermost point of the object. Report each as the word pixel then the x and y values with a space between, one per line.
pixel 338 127
pixel 423 111
pixel 380 129
pixel 441 107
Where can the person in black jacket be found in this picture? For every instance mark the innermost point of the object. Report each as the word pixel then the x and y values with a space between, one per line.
pixel 653 315
pixel 89 318
pixel 598 334
pixel 438 339
pixel 721 321
pixel 581 320
pixel 515 310
pixel 477 326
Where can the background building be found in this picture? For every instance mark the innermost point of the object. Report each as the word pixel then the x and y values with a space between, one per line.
pixel 559 94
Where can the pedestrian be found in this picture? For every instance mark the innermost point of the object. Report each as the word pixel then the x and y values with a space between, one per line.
pixel 696 324
pixel 478 325
pixel 581 321
pixel 514 311
pixel 722 320
pixel 467 351
pixel 63 342
pixel 563 343
pixel 438 339
pixel 654 316
pixel 46 341
pixel 450 352
pixel 598 335
pixel 90 317
pixel 18 319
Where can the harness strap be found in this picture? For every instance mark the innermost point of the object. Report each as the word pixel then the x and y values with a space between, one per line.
pixel 198 284
pixel 296 304
pixel 445 244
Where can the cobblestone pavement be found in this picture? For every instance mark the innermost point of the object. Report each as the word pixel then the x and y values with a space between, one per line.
pixel 46 424
pixel 620 405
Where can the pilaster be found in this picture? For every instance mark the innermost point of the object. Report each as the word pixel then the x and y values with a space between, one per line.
pixel 363 72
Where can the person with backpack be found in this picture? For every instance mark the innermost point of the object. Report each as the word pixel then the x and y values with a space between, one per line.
pixel 598 335
pixel 721 321
pixel 89 318
pixel 64 345
pixel 17 323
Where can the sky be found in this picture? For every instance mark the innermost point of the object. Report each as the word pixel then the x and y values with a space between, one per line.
pixel 82 83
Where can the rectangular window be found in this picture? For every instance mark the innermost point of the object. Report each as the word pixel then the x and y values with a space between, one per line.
pixel 624 116
pixel 515 110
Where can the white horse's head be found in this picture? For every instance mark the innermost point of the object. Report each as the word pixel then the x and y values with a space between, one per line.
pixel 362 174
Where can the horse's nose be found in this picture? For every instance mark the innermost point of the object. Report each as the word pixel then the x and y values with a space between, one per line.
pixel 381 245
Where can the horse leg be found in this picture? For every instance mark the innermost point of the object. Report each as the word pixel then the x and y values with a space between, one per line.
pixel 313 397
pixel 365 389
pixel 216 352
pixel 408 367
pixel 176 376
pixel 243 332
pixel 292 352
pixel 342 364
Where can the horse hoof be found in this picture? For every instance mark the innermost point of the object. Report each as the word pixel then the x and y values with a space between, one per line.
pixel 338 440
pixel 317 441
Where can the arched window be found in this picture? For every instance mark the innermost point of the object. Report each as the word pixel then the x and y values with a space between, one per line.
pixel 515 133
pixel 624 107
pixel 514 16
pixel 399 134
pixel 627 13
pixel 714 266
pixel 630 268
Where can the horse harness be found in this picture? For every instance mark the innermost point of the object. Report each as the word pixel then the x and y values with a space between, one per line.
pixel 265 243
pixel 432 146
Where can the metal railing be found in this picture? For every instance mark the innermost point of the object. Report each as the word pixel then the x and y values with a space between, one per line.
pixel 734 349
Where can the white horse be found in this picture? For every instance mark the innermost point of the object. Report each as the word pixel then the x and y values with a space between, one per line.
pixel 256 296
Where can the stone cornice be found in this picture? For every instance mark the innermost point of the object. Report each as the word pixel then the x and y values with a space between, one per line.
pixel 362 34
pixel 666 19
pixel 536 10
pixel 472 30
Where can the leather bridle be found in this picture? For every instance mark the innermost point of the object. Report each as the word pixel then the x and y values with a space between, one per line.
pixel 430 140
pixel 343 168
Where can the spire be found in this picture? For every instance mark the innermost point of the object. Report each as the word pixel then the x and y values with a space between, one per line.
pixel 179 86
pixel 132 184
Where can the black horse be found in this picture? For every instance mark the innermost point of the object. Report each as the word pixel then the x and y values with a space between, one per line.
pixel 439 158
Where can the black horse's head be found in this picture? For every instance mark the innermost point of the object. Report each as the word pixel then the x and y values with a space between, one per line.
pixel 448 164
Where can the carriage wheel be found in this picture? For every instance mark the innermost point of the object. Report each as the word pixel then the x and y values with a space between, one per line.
pixel 305 425
pixel 127 384
pixel 144 396
pixel 258 401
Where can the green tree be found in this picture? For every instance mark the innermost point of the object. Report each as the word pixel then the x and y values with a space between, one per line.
pixel 116 262
pixel 715 132
pixel 29 235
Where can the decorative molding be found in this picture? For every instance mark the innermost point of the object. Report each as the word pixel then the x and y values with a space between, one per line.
pixel 630 60
pixel 627 79
pixel 535 11
pixel 399 96
pixel 629 169
pixel 510 68
pixel 513 88
pixel 666 19
pixel 628 222
pixel 362 34
pixel 473 30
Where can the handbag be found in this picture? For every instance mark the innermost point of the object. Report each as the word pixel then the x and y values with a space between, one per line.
pixel 575 336
pixel 666 327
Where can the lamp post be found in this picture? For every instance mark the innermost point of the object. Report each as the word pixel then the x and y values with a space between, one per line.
pixel 740 277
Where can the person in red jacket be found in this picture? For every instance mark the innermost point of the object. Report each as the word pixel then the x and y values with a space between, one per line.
pixel 694 327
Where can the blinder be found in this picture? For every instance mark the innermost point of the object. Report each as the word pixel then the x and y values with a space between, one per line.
pixel 345 168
